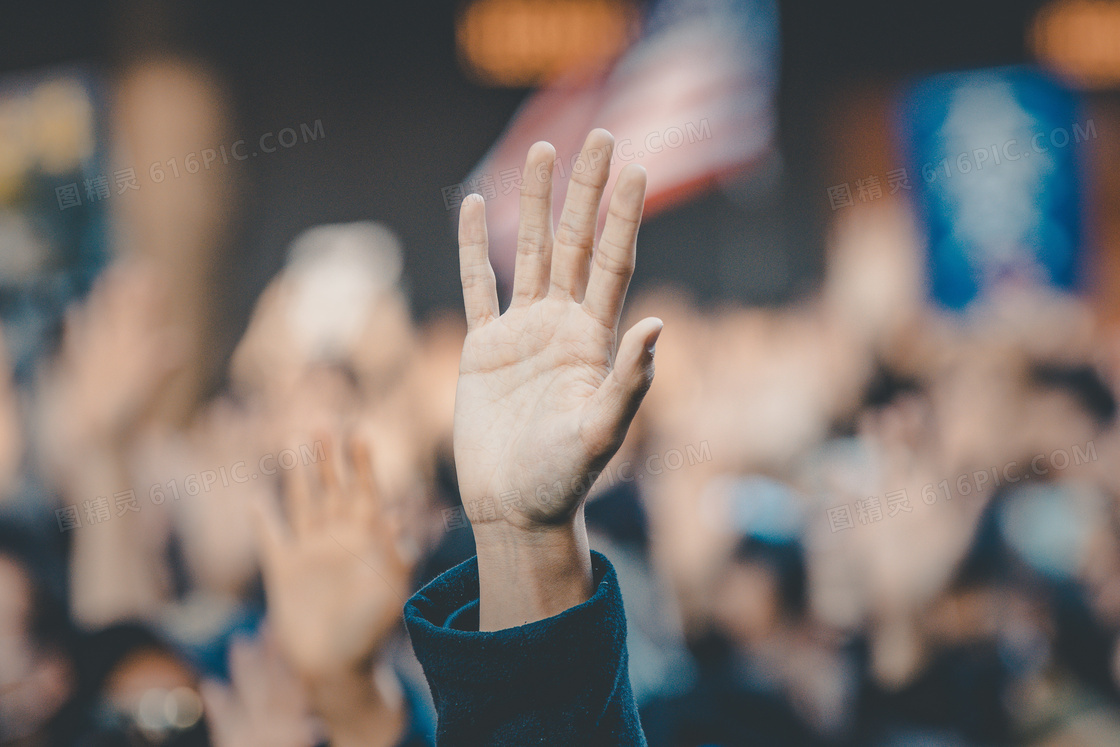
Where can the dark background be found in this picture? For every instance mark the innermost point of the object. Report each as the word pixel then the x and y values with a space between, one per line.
pixel 402 120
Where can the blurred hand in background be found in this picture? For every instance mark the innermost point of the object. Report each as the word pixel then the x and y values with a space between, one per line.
pixel 336 581
pixel 117 353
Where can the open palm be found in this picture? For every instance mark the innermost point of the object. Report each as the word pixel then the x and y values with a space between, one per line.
pixel 335 577
pixel 543 401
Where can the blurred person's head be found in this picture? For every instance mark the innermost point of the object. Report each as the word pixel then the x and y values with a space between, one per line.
pixel 894 410
pixel 337 301
pixel 760 590
pixel 762 585
pixel 142 690
pixel 37 672
pixel 1083 384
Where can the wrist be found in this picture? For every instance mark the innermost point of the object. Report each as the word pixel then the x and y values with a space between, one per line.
pixel 359 707
pixel 530 574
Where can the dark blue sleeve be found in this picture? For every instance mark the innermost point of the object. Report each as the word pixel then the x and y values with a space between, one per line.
pixel 559 681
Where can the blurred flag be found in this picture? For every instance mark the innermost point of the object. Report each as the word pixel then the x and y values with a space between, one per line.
pixel 691 101
pixel 999 189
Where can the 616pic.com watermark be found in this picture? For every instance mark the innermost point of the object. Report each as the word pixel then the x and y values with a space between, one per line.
pixel 624 151
pixel 98 188
pixel 545 494
pixel 103 508
pixel 967 162
pixel 870 510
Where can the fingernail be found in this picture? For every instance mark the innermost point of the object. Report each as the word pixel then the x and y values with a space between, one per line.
pixel 651 341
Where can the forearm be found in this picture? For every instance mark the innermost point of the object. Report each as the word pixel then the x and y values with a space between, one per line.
pixel 360 709
pixel 114 573
pixel 530 575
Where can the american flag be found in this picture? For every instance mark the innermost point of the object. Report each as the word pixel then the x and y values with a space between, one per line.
pixel 692 101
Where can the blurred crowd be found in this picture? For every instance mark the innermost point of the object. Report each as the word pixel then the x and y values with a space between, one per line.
pixel 852 520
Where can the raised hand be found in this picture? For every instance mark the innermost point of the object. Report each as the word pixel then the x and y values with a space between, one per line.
pixel 541 397
pixel 118 352
pixel 116 355
pixel 543 400
pixel 334 574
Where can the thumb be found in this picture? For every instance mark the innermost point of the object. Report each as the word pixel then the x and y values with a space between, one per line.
pixel 622 391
